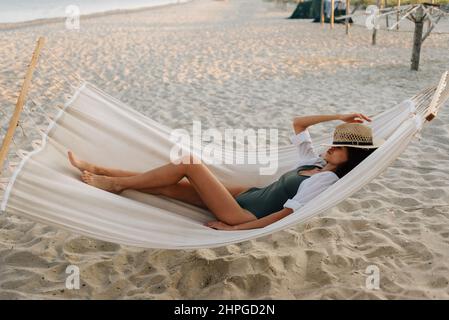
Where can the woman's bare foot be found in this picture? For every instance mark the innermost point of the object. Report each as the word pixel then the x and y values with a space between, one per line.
pixel 81 164
pixel 102 182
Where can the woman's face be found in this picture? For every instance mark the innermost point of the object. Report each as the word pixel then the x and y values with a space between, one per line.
pixel 336 155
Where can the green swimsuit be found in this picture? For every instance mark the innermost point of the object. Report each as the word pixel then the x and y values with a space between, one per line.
pixel 264 201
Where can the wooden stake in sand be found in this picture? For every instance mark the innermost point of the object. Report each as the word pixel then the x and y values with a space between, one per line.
pixel 397 14
pixel 374 35
pixel 348 3
pixel 332 13
pixel 387 21
pixel 322 13
pixel 20 102
pixel 418 18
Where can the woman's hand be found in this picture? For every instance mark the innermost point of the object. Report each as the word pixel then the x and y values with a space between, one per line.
pixel 354 118
pixel 219 225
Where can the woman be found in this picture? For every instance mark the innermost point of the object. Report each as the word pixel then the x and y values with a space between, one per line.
pixel 240 208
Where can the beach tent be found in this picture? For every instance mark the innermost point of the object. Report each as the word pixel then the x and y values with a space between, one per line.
pixel 102 129
pixel 311 9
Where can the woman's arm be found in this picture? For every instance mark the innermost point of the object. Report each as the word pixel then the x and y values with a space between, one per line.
pixel 301 123
pixel 259 223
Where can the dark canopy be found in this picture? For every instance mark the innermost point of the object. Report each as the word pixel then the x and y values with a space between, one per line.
pixel 311 9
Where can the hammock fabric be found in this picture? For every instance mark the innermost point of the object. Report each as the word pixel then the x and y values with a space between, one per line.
pixel 103 130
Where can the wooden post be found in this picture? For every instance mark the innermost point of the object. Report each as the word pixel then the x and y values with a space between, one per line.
pixel 20 102
pixel 387 22
pixel 397 14
pixel 417 37
pixel 332 13
pixel 348 3
pixel 374 35
pixel 322 13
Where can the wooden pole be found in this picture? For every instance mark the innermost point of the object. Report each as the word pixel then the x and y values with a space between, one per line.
pixel 322 13
pixel 374 35
pixel 332 13
pixel 20 102
pixel 417 38
pixel 397 14
pixel 348 3
pixel 387 22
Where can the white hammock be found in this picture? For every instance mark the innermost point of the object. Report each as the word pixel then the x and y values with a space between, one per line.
pixel 101 129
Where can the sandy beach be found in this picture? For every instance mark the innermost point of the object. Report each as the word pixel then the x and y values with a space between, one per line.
pixel 241 64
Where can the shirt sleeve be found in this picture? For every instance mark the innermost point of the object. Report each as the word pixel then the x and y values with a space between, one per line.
pixel 306 152
pixel 310 188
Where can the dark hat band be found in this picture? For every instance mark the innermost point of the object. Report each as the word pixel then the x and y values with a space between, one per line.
pixel 354 143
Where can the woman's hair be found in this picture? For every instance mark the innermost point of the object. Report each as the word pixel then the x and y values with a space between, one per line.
pixel 355 156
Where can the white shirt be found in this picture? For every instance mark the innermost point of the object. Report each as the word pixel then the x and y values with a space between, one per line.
pixel 317 183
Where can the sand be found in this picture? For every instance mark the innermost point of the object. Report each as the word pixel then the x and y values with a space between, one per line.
pixel 239 64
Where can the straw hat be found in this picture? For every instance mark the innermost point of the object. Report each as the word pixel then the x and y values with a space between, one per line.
pixel 354 135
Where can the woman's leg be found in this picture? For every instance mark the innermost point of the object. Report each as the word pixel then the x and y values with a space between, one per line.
pixel 185 192
pixel 212 192
pixel 182 191
pixel 103 171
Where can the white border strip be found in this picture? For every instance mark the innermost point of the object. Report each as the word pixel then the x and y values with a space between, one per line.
pixel 44 143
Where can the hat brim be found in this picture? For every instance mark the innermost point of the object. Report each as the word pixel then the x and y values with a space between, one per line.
pixel 376 144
